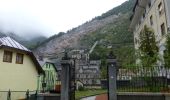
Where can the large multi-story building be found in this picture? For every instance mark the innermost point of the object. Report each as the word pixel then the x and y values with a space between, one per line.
pixel 154 14
pixel 86 71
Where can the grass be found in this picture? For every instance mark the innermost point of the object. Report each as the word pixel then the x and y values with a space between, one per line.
pixel 85 93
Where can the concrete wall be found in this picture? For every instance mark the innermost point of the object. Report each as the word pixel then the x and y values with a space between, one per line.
pixel 17 77
pixel 135 96
pixel 141 96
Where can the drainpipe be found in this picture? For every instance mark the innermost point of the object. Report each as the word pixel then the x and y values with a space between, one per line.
pixel 38 83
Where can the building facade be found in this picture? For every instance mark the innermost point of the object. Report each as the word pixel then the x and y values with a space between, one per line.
pixel 86 71
pixel 19 69
pixel 156 15
pixel 48 81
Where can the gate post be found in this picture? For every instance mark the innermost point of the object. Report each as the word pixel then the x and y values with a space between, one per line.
pixel 65 62
pixel 112 76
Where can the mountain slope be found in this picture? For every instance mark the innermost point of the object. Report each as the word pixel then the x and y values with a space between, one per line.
pixel 110 29
pixel 29 43
pixel 71 38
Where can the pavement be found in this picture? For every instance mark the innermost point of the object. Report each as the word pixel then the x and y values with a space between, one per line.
pixel 90 98
pixel 98 97
pixel 102 97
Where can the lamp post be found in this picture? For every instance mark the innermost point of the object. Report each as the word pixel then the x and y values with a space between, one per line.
pixel 112 76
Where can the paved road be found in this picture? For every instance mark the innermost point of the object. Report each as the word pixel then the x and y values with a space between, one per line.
pixel 98 97
pixel 89 98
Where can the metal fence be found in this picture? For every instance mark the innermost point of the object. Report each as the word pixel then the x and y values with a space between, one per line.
pixel 27 95
pixel 17 95
pixel 143 80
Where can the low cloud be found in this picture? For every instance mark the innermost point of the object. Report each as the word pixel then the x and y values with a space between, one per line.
pixel 47 17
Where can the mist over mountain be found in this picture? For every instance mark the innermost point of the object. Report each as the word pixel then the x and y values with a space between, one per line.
pixel 29 42
pixel 110 29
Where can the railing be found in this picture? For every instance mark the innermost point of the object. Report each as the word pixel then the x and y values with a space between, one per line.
pixel 27 95
pixel 17 95
pixel 143 80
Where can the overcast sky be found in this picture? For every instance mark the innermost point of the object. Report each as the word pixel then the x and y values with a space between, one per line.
pixel 48 17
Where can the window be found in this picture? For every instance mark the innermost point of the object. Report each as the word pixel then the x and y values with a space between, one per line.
pixel 151 20
pixel 144 13
pixel 136 41
pixel 160 8
pixel 163 29
pixel 7 56
pixel 19 58
pixel 139 22
pixel 149 4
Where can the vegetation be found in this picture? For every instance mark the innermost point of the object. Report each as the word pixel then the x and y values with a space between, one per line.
pixel 115 35
pixel 148 50
pixel 124 8
pixel 167 53
pixel 50 38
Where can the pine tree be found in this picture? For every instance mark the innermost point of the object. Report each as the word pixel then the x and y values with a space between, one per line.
pixel 167 53
pixel 148 49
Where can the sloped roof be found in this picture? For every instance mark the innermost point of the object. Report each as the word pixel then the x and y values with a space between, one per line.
pixel 7 41
pixel 42 63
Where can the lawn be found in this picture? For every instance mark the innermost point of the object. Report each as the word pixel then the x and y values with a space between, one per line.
pixel 80 94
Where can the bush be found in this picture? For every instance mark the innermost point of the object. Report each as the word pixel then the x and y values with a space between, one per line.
pixel 81 88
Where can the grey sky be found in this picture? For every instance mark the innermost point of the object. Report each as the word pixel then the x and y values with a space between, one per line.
pixel 48 17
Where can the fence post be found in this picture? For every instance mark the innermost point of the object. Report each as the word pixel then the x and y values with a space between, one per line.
pixel 9 95
pixel 27 95
pixel 36 95
pixel 112 76
pixel 65 78
pixel 72 79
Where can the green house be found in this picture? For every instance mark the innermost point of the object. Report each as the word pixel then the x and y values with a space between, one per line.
pixel 48 81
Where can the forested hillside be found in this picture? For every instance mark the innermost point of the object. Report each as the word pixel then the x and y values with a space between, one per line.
pixel 110 29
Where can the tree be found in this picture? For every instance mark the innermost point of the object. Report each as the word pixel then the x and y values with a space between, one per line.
pixel 148 54
pixel 148 50
pixel 167 53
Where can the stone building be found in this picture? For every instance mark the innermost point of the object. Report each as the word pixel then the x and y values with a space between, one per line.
pixel 87 71
pixel 154 14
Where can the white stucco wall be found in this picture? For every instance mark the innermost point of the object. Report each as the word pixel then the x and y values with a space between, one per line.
pixel 17 77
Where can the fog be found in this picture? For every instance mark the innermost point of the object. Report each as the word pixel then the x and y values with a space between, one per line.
pixel 31 18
